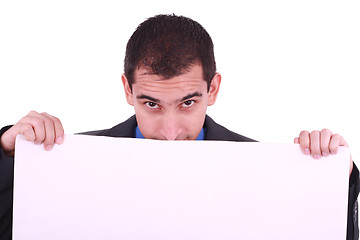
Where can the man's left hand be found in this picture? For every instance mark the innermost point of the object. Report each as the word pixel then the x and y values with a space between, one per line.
pixel 321 144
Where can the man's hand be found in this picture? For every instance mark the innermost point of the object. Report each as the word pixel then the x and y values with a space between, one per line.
pixel 37 127
pixel 321 143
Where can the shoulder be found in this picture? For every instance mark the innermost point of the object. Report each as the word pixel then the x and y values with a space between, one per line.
pixel 215 131
pixel 124 129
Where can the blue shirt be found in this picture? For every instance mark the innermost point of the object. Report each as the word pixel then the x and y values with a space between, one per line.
pixel 138 134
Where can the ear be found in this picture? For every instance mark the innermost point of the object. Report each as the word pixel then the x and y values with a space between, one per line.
pixel 214 88
pixel 128 92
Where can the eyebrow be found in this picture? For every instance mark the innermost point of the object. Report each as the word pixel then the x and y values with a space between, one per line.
pixel 191 95
pixel 142 96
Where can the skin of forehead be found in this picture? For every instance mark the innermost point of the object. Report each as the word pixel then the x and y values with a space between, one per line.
pixel 188 83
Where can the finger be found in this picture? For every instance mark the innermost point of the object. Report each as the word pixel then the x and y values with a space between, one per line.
pixel 9 137
pixel 325 137
pixel 343 143
pixel 44 128
pixel 37 124
pixel 49 132
pixel 304 139
pixel 315 144
pixel 24 129
pixel 27 130
pixel 58 128
pixel 297 140
pixel 336 141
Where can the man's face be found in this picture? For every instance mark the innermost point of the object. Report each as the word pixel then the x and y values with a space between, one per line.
pixel 171 109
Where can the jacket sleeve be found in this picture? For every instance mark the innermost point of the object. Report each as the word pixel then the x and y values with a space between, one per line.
pixel 6 192
pixel 353 224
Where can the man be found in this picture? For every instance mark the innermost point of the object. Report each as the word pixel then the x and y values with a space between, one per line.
pixel 170 78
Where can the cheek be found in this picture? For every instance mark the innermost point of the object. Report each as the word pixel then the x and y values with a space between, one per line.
pixel 146 123
pixel 142 116
pixel 194 121
pixel 149 122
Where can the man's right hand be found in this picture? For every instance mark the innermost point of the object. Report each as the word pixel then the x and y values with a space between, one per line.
pixel 36 127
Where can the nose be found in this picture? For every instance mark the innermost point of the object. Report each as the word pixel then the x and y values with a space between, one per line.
pixel 171 127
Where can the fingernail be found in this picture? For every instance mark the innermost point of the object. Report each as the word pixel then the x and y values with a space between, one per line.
pixel 317 156
pixel 325 154
pixel 48 147
pixel 307 151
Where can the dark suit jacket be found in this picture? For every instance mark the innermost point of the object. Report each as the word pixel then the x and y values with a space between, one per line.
pixel 213 131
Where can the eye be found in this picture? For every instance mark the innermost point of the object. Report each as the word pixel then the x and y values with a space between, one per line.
pixel 188 103
pixel 152 105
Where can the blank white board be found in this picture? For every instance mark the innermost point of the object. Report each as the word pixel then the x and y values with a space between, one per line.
pixel 115 188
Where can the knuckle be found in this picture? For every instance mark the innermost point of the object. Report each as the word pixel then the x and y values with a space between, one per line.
pixel 304 133
pixel 27 126
pixel 48 118
pixel 315 133
pixel 26 130
pixel 47 121
pixel 25 119
pixel 57 120
pixel 45 114
pixel 22 127
pixel 325 131
pixel 32 112
pixel 38 122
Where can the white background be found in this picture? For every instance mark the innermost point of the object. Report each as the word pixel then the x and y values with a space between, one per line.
pixel 286 65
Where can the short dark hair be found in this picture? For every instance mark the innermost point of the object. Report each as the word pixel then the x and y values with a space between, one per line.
pixel 169 45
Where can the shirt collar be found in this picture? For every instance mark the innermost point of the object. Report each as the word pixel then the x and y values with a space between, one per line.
pixel 201 135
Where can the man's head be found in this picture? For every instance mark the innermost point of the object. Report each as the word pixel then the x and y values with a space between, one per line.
pixel 170 77
pixel 168 45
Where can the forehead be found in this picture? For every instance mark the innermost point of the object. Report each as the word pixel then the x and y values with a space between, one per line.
pixel 189 80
